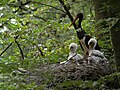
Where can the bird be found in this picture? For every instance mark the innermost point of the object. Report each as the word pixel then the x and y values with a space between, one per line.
pixel 95 56
pixel 81 34
pixel 73 55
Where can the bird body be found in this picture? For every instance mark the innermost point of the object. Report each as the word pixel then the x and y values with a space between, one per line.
pixel 95 56
pixel 81 34
pixel 73 55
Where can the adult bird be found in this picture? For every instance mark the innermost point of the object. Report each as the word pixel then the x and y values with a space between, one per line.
pixel 95 56
pixel 81 34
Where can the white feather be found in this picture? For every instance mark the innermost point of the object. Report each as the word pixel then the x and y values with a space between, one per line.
pixel 95 55
pixel 73 55
pixel 94 41
pixel 75 47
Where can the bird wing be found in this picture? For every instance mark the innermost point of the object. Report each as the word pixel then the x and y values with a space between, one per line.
pixel 96 53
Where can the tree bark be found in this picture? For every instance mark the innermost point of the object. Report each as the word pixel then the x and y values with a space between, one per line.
pixel 105 9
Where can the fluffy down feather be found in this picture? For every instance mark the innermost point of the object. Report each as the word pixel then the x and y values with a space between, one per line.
pixel 95 56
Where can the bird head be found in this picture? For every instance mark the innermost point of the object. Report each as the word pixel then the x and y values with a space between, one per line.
pixel 73 47
pixel 79 15
pixel 92 43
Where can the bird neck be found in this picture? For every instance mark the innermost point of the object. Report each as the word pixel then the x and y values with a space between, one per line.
pixel 91 48
pixel 72 52
pixel 79 23
pixel 80 27
pixel 80 33
pixel 92 45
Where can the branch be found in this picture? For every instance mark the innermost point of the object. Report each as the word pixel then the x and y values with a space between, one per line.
pixel 40 18
pixel 15 11
pixel 21 52
pixel 68 13
pixel 39 50
pixel 6 48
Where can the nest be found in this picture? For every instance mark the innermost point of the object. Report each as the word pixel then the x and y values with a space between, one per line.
pixel 82 72
pixel 55 74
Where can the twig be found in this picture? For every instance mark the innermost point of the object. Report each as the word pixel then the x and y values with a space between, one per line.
pixel 40 18
pixel 6 48
pixel 39 50
pixel 21 52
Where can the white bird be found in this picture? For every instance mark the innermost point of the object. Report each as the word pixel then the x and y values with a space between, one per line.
pixel 95 56
pixel 73 55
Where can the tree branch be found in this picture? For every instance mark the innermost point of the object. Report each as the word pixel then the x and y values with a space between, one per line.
pixel 21 52
pixel 40 18
pixel 39 50
pixel 68 13
pixel 6 48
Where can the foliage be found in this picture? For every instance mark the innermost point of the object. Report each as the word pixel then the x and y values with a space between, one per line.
pixel 42 23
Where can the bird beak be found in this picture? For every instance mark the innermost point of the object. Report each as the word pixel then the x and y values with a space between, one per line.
pixel 89 46
pixel 73 21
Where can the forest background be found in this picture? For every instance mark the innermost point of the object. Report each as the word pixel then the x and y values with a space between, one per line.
pixel 35 32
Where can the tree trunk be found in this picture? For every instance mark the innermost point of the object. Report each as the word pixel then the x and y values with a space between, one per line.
pixel 110 11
